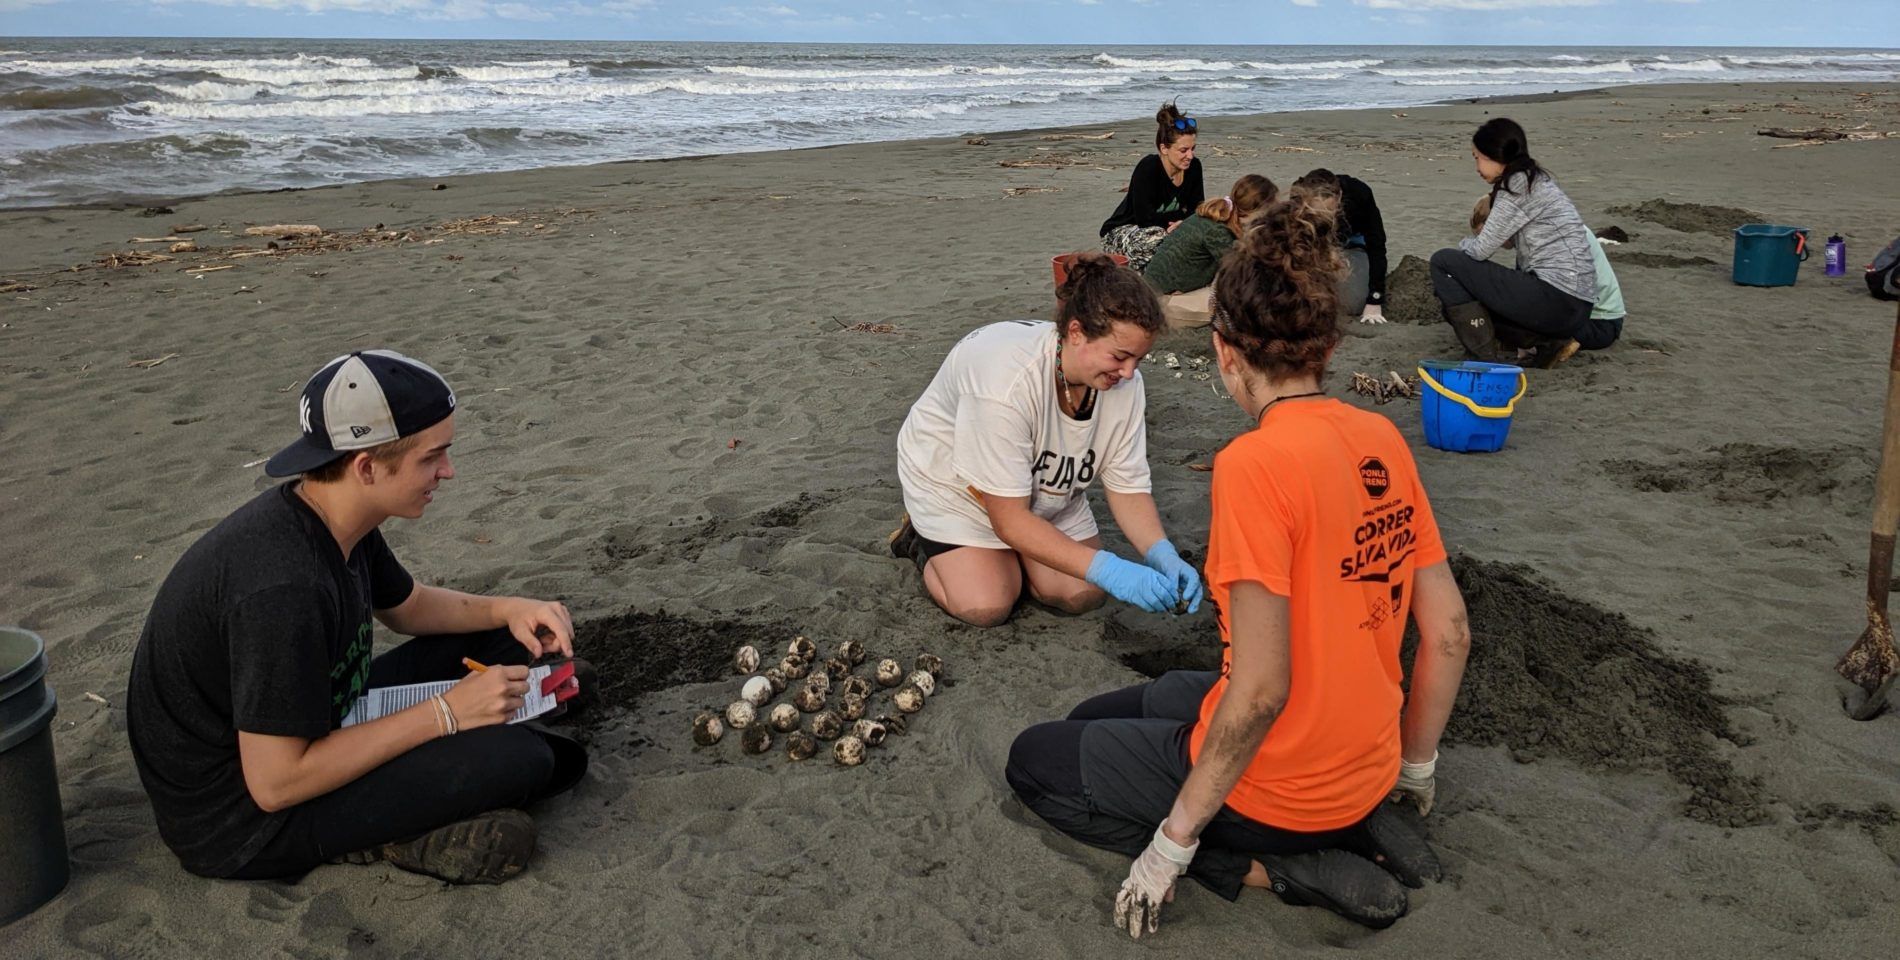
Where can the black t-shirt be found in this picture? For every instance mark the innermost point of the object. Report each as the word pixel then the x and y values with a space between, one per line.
pixel 1153 200
pixel 262 626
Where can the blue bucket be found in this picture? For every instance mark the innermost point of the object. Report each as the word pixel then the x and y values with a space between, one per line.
pixel 1769 256
pixel 1468 405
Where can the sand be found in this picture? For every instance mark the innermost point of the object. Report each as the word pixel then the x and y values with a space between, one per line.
pixel 672 418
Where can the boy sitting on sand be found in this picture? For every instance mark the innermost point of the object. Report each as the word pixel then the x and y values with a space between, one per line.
pixel 1606 314
pixel 258 644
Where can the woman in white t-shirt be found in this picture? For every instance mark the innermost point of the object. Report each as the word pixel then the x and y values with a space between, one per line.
pixel 997 456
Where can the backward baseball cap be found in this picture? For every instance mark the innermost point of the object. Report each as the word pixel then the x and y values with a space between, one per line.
pixel 361 400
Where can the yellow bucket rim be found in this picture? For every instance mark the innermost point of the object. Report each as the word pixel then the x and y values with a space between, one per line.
pixel 1523 384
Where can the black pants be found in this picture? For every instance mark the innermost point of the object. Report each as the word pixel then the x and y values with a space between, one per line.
pixel 1524 309
pixel 1109 774
pixel 438 783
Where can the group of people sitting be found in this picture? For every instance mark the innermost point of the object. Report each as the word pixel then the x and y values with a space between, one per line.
pixel 1561 296
pixel 1276 770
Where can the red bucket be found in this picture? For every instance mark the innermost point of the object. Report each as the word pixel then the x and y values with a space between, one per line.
pixel 1063 261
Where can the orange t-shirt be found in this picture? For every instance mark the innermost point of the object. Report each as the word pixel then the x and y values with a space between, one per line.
pixel 1322 505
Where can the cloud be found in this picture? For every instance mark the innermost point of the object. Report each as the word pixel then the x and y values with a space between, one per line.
pixel 1306 3
pixel 779 10
pixel 1474 4
pixel 10 6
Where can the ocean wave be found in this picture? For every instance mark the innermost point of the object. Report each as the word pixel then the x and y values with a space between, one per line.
pixel 760 87
pixel 949 70
pixel 208 90
pixel 520 72
pixel 1619 66
pixel 288 75
pixel 211 90
pixel 1285 76
pixel 1807 61
pixel 147 65
pixel 68 98
pixel 613 65
pixel 1692 66
pixel 537 63
pixel 341 107
pixel 1313 65
pixel 1167 66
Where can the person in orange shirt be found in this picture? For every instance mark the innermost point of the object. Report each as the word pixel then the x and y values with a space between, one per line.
pixel 1274 771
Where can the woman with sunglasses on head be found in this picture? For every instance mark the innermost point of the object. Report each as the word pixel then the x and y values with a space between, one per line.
pixel 1544 305
pixel 1274 771
pixel 1164 190
pixel 996 458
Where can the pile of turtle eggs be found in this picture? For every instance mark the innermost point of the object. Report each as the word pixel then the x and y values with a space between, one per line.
pixel 845 723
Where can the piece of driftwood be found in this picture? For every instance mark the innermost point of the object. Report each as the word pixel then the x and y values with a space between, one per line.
pixel 184 247
pixel 153 362
pixel 224 266
pixel 171 239
pixel 285 230
pixel 1818 133
pixel 1110 135
pixel 187 227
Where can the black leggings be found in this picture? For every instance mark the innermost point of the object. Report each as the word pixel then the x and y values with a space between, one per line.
pixel 436 784
pixel 1524 309
pixel 1109 774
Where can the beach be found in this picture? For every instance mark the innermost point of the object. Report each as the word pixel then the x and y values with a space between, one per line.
pixel 679 384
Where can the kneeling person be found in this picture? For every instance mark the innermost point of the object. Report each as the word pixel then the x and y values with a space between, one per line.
pixel 997 456
pixel 258 645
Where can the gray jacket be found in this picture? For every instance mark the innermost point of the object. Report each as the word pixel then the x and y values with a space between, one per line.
pixel 1552 241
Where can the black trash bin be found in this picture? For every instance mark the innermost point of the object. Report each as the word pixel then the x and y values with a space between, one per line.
pixel 33 862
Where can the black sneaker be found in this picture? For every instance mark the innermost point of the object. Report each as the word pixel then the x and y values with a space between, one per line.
pixel 488 848
pixel 904 542
pixel 1345 883
pixel 1396 844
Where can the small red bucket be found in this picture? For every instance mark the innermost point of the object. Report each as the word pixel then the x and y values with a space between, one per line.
pixel 1063 261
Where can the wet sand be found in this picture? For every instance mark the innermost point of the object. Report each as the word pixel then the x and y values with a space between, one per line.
pixel 676 414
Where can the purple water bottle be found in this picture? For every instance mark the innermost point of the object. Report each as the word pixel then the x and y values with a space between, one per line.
pixel 1836 256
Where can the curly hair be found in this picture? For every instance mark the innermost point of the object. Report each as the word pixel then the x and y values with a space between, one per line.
pixel 1243 200
pixel 1100 293
pixel 1276 298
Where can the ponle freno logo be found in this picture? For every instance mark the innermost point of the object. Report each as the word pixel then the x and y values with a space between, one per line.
pixel 1373 474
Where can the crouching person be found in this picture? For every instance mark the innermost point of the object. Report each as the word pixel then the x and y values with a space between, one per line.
pixel 258 644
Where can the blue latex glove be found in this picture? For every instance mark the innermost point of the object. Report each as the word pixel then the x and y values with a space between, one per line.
pixel 1131 582
pixel 1187 583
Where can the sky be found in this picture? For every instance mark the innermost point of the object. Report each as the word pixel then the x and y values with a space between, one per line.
pixel 1857 23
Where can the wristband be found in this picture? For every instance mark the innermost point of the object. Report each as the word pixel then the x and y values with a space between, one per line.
pixel 1419 771
pixel 1177 854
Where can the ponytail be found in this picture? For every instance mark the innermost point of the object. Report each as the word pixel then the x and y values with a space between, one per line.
pixel 1503 141
pixel 1247 196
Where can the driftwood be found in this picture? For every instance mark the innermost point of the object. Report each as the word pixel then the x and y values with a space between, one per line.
pixel 184 247
pixel 1110 135
pixel 187 227
pixel 285 230
pixel 227 266
pixel 1818 133
pixel 16 286
pixel 149 364
pixel 170 239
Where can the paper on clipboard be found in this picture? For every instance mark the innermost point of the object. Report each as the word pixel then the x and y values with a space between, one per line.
pixel 380 702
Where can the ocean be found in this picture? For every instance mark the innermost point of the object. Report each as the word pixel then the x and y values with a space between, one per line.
pixel 117 120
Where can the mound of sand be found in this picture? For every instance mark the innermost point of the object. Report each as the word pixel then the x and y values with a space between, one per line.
pixel 1408 292
pixel 1689 217
pixel 1664 260
pixel 1553 676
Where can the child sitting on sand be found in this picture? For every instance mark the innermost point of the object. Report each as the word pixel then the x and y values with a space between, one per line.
pixel 259 644
pixel 1606 314
pixel 1182 270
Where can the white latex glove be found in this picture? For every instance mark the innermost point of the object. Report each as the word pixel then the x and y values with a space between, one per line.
pixel 1150 883
pixel 1417 783
pixel 1374 314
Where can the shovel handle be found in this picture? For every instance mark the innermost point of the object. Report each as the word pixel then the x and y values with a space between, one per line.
pixel 1886 487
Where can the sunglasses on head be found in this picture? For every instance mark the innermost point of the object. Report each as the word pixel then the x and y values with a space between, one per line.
pixel 1185 124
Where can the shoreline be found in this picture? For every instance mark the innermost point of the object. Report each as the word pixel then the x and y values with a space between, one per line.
pixel 678 388
pixel 1555 96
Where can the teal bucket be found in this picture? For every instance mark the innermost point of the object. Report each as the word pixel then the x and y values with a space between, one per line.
pixel 1767 255
pixel 1467 405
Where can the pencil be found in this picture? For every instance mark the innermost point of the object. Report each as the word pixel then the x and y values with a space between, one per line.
pixel 472 665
